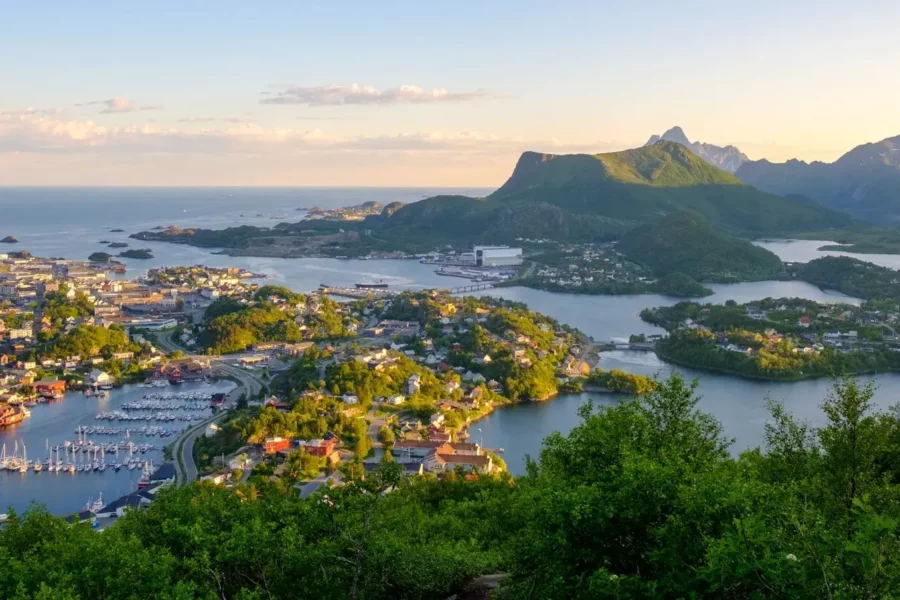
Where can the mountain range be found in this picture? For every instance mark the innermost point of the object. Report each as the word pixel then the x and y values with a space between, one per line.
pixel 581 197
pixel 727 158
pixel 864 182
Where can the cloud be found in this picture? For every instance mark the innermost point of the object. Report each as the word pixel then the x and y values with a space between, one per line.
pixel 51 132
pixel 339 95
pixel 119 105
pixel 216 120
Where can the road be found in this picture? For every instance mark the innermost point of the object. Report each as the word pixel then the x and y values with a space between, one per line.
pixel 248 385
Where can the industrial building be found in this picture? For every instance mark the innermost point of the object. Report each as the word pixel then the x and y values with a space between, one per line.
pixel 497 256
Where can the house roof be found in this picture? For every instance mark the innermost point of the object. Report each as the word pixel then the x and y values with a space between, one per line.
pixel 465 459
pixel 165 471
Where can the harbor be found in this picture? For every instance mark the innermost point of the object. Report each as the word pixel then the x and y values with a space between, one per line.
pixel 81 446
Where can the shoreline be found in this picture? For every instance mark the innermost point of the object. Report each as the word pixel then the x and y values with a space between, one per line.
pixel 795 379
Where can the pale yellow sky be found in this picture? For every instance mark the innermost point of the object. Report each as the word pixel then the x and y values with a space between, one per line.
pixel 428 94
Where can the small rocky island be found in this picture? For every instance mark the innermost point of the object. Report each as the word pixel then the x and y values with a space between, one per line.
pixel 117 245
pixel 142 253
pixel 10 240
pixel 117 231
pixel 100 257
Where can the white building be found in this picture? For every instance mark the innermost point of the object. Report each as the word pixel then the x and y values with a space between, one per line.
pixel 497 256
pixel 98 377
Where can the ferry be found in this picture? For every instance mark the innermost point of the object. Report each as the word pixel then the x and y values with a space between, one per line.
pixel 377 284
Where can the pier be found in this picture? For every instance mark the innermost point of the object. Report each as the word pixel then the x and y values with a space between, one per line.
pixel 356 293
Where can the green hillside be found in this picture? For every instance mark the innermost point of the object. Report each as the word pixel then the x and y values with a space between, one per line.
pixel 582 197
pixel 686 243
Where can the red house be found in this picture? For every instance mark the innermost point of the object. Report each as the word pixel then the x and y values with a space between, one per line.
pixel 318 447
pixel 277 444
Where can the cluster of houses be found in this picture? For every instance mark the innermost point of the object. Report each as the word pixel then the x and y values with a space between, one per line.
pixel 586 264
pixel 838 318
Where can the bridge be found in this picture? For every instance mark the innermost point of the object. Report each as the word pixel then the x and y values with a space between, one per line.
pixel 639 347
pixel 475 287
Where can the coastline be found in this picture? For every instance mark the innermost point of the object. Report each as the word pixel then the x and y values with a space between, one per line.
pixel 791 379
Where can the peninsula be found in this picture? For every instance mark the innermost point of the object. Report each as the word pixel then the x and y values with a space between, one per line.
pixel 784 339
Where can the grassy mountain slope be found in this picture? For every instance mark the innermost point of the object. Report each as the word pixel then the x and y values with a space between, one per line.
pixel 686 243
pixel 582 197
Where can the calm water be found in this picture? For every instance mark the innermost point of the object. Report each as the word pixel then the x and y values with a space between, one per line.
pixel 739 404
pixel 70 223
pixel 55 423
pixel 807 250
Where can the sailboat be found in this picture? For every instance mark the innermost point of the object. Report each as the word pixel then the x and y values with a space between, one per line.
pixel 4 462
pixel 23 467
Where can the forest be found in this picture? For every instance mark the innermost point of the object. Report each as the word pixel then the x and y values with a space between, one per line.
pixel 643 499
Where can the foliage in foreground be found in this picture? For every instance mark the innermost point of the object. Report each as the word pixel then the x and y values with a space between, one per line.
pixel 642 500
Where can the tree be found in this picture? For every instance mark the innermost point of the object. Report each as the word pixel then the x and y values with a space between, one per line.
pixel 386 435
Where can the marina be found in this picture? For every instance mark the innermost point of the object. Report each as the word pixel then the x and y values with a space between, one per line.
pixel 67 452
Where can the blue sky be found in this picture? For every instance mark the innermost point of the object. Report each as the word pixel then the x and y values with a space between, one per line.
pixel 242 93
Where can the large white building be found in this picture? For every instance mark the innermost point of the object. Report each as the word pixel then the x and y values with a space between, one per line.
pixel 497 256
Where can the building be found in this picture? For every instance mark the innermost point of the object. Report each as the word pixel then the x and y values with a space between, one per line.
pixel 497 256
pixel 317 447
pixel 164 474
pixel 98 377
pixel 276 444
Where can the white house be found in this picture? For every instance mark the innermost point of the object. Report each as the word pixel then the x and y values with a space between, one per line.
pixel 350 399
pixel 98 377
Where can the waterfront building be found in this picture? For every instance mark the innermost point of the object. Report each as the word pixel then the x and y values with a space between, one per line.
pixel 497 256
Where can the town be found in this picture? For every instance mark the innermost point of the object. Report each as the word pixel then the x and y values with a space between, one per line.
pixel 336 388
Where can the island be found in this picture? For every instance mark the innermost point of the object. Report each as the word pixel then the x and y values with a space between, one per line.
pixel 9 240
pixel 780 339
pixel 118 245
pixel 142 253
pixel 117 231
pixel 100 257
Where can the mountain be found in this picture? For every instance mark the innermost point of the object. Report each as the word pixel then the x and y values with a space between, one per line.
pixel 580 197
pixel 727 158
pixel 686 243
pixel 864 182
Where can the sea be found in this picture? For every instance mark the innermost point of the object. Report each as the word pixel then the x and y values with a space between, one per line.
pixel 72 223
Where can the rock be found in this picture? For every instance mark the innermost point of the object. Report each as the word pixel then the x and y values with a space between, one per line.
pixel 10 240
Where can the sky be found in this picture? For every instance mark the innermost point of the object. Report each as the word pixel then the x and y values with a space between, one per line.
pixel 425 93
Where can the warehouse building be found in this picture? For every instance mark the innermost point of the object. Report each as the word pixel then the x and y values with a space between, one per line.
pixel 497 256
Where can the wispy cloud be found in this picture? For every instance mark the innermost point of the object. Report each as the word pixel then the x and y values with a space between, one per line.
pixel 216 120
pixel 120 104
pixel 339 95
pixel 43 131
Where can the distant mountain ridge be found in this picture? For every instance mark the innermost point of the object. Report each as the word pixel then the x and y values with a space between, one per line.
pixel 581 197
pixel 727 158
pixel 864 182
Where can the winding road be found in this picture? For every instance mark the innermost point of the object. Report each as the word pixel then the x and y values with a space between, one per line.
pixel 248 385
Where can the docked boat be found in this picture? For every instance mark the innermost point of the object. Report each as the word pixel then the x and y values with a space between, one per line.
pixel 377 284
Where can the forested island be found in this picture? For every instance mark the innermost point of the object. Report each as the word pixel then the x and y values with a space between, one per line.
pixel 785 339
pixel 141 253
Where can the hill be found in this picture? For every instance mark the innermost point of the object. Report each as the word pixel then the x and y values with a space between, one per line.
pixel 581 197
pixel 727 158
pixel 864 182
pixel 686 243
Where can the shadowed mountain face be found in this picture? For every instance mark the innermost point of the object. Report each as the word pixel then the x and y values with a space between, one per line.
pixel 864 182
pixel 581 197
pixel 727 158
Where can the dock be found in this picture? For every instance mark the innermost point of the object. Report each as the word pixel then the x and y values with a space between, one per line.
pixel 356 293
